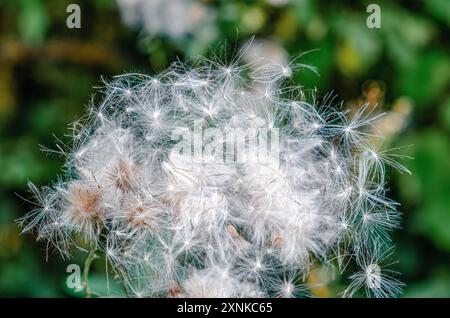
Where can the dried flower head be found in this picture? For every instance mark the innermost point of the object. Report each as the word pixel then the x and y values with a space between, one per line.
pixel 220 180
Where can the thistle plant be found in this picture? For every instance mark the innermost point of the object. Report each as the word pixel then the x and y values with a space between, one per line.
pixel 223 180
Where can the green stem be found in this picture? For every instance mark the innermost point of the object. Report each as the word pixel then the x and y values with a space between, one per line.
pixel 87 266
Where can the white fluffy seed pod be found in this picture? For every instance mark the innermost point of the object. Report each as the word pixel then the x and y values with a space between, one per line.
pixel 221 181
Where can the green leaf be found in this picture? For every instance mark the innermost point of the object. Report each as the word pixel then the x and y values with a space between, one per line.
pixel 405 34
pixel 359 47
pixel 445 112
pixel 33 21
pixel 435 286
pixel 439 9
pixel 428 187
pixel 427 78
pixel 304 11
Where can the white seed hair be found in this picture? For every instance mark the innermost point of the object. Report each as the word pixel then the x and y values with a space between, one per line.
pixel 173 227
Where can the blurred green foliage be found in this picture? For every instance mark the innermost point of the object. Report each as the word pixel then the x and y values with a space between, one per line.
pixel 47 75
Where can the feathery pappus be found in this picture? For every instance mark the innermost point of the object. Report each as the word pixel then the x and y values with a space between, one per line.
pixel 223 180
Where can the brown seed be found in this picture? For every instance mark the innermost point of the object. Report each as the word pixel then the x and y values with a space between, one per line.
pixel 278 241
pixel 123 174
pixel 175 291
pixel 84 201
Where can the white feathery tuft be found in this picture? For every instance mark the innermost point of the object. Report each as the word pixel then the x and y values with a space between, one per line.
pixel 223 181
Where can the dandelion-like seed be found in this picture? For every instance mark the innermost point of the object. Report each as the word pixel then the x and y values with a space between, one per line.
pixel 222 181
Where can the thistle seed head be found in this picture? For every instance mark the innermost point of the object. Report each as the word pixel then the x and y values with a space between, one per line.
pixel 223 180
